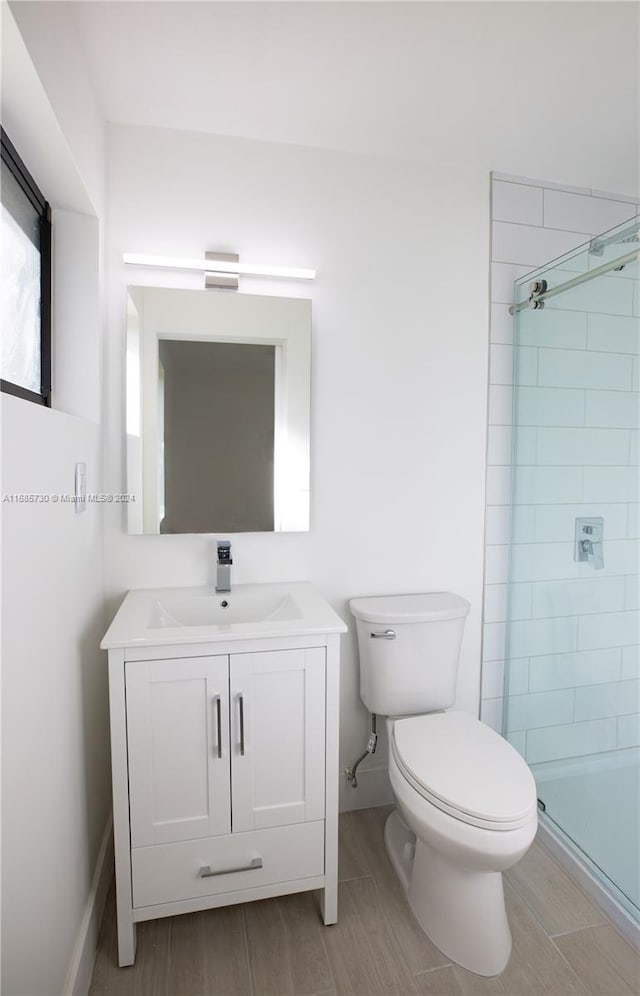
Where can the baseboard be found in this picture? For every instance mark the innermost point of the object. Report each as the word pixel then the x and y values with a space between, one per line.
pixel 374 789
pixel 84 950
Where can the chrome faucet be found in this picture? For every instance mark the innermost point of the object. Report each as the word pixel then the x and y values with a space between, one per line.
pixel 223 566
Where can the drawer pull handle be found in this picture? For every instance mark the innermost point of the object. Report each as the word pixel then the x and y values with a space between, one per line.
pixel 207 871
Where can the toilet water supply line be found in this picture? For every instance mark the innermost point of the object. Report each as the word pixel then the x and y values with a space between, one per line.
pixel 372 743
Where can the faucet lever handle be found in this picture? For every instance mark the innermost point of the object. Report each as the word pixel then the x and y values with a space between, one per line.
pixel 224 552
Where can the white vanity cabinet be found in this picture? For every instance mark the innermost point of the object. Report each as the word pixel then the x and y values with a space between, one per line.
pixel 225 772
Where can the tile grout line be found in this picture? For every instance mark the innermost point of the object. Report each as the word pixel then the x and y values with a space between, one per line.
pixel 324 943
pixel 390 927
pixel 541 227
pixel 169 946
pixel 554 310
pixel 564 957
pixel 430 971
pixel 527 904
pixel 557 869
pixel 245 934
pixel 534 267
pixel 567 933
pixel 601 195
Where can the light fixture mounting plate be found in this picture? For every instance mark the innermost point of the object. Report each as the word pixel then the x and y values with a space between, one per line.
pixel 214 278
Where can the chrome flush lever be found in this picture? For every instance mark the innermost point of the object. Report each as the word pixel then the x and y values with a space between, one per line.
pixel 389 634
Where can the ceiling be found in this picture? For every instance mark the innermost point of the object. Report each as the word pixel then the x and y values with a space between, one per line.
pixel 543 89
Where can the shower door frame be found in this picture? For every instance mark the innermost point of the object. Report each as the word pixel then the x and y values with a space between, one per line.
pixel 593 879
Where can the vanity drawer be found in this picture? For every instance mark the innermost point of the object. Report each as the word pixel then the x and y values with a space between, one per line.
pixel 164 873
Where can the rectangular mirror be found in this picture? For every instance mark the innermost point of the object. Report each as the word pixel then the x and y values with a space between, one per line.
pixel 217 419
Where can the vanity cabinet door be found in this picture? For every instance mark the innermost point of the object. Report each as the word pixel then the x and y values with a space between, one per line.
pixel 277 737
pixel 178 747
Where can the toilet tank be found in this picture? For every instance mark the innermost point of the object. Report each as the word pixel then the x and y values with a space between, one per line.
pixel 409 647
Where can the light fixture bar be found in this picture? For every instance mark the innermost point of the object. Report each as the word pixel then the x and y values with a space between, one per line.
pixel 221 266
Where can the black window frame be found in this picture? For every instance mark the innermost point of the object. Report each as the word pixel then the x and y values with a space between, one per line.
pixel 29 187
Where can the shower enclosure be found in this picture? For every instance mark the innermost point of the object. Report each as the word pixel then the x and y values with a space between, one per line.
pixel 572 689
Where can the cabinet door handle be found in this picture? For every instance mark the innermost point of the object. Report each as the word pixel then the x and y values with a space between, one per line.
pixel 241 705
pixel 218 724
pixel 207 871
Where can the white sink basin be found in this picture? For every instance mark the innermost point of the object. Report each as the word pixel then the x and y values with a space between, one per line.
pixel 160 616
pixel 239 606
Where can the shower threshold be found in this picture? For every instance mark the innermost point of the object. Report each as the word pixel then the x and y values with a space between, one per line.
pixel 592 821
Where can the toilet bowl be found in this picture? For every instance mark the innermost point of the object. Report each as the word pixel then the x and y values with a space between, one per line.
pixel 466 800
pixel 461 821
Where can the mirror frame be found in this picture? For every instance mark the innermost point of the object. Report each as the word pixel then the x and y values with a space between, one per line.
pixel 155 313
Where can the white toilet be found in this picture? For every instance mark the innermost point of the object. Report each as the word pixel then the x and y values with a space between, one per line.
pixel 466 800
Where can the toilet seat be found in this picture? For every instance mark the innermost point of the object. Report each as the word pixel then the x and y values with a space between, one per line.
pixel 465 769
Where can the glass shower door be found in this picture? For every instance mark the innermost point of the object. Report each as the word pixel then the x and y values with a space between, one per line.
pixel 572 695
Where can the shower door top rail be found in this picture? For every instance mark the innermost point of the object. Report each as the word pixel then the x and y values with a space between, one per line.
pixel 534 286
pixel 540 292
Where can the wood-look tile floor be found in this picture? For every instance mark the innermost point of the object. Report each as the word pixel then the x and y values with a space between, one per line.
pixel 562 944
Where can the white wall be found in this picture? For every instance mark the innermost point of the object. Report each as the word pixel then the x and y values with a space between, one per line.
pixel 398 369
pixel 57 51
pixel 566 695
pixel 55 789
pixel 55 769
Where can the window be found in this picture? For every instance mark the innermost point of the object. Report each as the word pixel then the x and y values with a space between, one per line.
pixel 25 282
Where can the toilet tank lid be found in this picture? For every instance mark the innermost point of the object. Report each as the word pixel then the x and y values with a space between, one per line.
pixel 424 607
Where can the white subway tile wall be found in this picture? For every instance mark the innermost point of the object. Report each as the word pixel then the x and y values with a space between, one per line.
pixel 573 677
pixel 517 203
pixel 529 246
pixel 501 324
pixel 629 731
pixel 577 213
pixel 493 678
pixel 571 740
pixel 632 592
pixel 630 662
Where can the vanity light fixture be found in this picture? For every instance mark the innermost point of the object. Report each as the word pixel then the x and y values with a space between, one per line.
pixel 222 265
pixel 215 278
